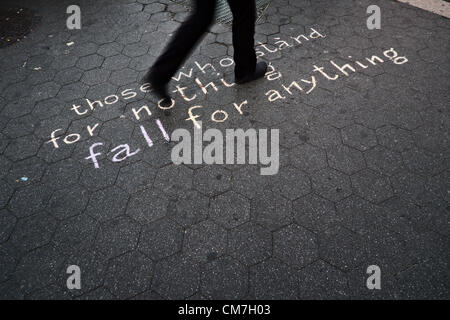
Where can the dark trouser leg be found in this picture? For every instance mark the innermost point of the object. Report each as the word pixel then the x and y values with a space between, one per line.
pixel 244 18
pixel 183 42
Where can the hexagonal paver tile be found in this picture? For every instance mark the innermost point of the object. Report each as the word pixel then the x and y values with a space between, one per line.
pixel 84 49
pixel 291 135
pixel 431 138
pixel 68 202
pixel 271 210
pixel 62 174
pixel 5 164
pixel 423 162
pixel 135 50
pixel 359 215
pixel 45 90
pixel 371 186
pixel 109 49
pixel 224 278
pixel 412 186
pixel 67 76
pixel 98 178
pixel 395 138
pixel 248 180
pixel 273 279
pixel 141 63
pixel 33 232
pixel 267 29
pixel 123 76
pixel 315 213
pixel 161 239
pixel 342 248
pixel 320 98
pixel 176 277
pixel 383 160
pixel 359 137
pixel 308 158
pixel 129 275
pixel 16 91
pixel 361 82
pixel 104 90
pixel 18 127
pixel 250 243
pixel 29 200
pixel 214 50
pixel 95 76
pixel 4 141
pixel 107 203
pixel 291 183
pixel 90 62
pixel 212 180
pixel 7 224
pixel 438 219
pixel 323 281
pixel 135 177
pixel 116 62
pixel 72 91
pixel 188 208
pixel 205 241
pixel 6 193
pixel 331 184
pixel 7 262
pixel 28 171
pixel 168 26
pixel 160 17
pixel 154 7
pixel 439 184
pixel 147 206
pixel 390 250
pixel 117 236
pixel 22 148
pixel 38 269
pixel 18 108
pixel 64 62
pixel 174 179
pixel 47 108
pixel 230 209
pixel 225 38
pixel 109 131
pixel 324 136
pixel 295 245
pixel 345 159
pixel 129 37
pixel 75 234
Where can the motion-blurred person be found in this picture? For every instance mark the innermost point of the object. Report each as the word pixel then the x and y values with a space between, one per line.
pixel 190 32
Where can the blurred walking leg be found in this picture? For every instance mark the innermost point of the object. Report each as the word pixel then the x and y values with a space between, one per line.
pixel 244 18
pixel 181 45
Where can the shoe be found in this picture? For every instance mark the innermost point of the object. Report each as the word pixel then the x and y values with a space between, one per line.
pixel 260 71
pixel 160 90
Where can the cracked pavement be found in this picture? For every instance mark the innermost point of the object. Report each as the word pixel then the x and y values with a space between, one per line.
pixel 364 177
